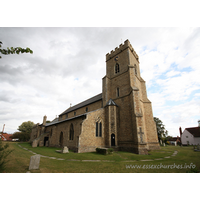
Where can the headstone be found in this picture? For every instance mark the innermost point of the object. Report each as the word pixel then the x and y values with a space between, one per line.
pixel 197 147
pixel 47 143
pixel 164 144
pixel 34 143
pixel 41 143
pixel 34 162
pixel 65 150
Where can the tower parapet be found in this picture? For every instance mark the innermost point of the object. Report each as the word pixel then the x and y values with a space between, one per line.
pixel 121 48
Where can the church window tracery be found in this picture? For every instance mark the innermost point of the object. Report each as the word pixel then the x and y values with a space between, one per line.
pixel 98 129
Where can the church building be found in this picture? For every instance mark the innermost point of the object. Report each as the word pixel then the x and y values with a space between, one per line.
pixel 120 117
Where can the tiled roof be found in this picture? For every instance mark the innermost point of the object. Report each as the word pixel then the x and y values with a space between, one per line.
pixel 52 122
pixel 56 121
pixel 84 103
pixel 195 131
pixel 6 136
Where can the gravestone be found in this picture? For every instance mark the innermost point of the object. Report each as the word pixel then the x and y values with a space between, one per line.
pixel 47 143
pixel 164 144
pixel 34 143
pixel 34 162
pixel 41 143
pixel 65 150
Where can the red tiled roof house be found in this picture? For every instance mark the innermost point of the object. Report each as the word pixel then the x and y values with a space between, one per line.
pixel 191 136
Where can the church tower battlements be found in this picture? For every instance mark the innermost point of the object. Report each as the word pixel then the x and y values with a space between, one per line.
pixel 121 48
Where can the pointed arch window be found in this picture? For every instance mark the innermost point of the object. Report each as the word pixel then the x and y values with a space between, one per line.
pixel 71 132
pixel 98 129
pixel 61 139
pixel 116 68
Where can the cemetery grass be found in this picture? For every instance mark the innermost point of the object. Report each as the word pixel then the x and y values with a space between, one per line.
pixel 118 162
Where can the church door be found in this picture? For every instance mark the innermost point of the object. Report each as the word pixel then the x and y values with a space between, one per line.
pixel 45 139
pixel 112 139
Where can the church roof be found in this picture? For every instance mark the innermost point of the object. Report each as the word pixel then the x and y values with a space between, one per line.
pixel 195 131
pixel 84 103
pixel 58 122
pixel 111 103
pixel 52 122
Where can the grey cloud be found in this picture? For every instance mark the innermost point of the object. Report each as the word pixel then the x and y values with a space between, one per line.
pixel 11 74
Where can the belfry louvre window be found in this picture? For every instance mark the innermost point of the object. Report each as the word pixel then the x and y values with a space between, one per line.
pixel 98 129
pixel 117 92
pixel 116 68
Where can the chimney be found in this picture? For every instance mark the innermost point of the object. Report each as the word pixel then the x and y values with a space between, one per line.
pixel 198 123
pixel 180 129
pixel 44 120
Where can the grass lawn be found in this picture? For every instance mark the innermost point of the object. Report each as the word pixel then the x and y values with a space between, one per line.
pixel 118 162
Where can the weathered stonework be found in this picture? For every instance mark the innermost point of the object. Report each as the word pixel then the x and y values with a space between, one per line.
pixel 121 117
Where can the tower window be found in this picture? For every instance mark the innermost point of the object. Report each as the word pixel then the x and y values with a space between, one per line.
pixel 74 113
pixel 117 92
pixel 86 109
pixel 116 68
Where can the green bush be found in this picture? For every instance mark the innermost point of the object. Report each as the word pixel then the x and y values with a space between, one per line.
pixel 104 151
pixel 3 154
pixel 110 150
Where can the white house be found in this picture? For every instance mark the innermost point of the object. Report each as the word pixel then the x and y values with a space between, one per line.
pixel 190 136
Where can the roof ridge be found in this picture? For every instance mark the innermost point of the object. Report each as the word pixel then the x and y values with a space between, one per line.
pixel 83 103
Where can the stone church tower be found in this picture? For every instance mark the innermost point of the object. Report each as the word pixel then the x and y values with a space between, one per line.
pixel 120 117
pixel 130 122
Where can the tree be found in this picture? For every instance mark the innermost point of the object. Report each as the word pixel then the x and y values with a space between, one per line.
pixel 25 130
pixel 161 131
pixel 4 152
pixel 26 127
pixel 16 50
pixel 21 136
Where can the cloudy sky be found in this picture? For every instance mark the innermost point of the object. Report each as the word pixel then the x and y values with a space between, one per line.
pixel 68 65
